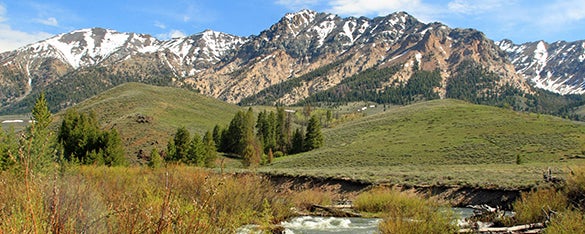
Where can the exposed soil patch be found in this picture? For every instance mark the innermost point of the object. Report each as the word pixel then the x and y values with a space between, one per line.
pixel 456 196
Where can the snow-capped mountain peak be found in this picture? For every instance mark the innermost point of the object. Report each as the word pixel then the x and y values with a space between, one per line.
pixel 87 47
pixel 557 67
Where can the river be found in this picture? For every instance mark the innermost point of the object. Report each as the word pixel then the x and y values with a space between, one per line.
pixel 323 225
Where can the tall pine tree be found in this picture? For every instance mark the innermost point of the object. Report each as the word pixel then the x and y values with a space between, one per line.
pixel 314 138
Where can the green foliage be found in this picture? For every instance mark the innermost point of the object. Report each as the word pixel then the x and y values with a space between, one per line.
pixel 371 85
pixel 567 222
pixel 298 141
pixel 182 142
pixel 156 161
pixel 84 142
pixel 8 149
pixel 446 142
pixel 270 95
pixel 41 114
pixel 314 138
pixel 90 199
pixel 575 188
pixel 197 152
pixel 536 206
pixel 191 149
pixel 405 213
pixel 77 86
pixel 210 151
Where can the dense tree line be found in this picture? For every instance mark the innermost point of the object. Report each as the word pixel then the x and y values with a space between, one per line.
pixel 79 140
pixel 190 149
pixel 270 95
pixel 371 85
pixel 268 135
pixel 84 83
pixel 83 141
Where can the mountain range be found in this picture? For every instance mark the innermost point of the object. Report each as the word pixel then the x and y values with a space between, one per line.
pixel 301 55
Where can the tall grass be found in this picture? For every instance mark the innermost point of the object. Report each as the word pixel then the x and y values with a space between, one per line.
pixel 180 199
pixel 537 206
pixel 560 209
pixel 405 212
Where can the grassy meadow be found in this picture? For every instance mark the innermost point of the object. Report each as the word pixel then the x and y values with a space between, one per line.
pixel 444 142
pixel 165 109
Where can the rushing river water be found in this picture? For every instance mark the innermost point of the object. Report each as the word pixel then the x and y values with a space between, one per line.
pixel 322 225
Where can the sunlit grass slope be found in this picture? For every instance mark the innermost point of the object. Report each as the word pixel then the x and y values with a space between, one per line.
pixel 444 142
pixel 163 110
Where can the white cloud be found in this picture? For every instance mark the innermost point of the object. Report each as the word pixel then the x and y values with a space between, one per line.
pixel 171 34
pixel 2 13
pixel 51 21
pixel 11 39
pixel 476 6
pixel 297 4
pixel 566 11
pixel 368 7
pixel 160 25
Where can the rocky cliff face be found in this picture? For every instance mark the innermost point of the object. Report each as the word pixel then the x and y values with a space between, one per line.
pixel 232 68
pixel 558 67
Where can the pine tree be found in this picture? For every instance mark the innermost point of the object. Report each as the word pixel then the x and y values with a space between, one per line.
pixel 210 150
pixel 298 141
pixel 41 114
pixel 39 143
pixel 156 160
pixel 314 138
pixel 197 153
pixel 113 149
pixel 217 131
pixel 182 141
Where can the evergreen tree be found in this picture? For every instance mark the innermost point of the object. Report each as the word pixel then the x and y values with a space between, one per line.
pixel 314 138
pixel 210 150
pixel 270 156
pixel 252 153
pixel 156 161
pixel 113 149
pixel 217 131
pixel 171 150
pixel 298 141
pixel 182 141
pixel 41 114
pixel 8 149
pixel 282 130
pixel 39 143
pixel 197 153
pixel 82 141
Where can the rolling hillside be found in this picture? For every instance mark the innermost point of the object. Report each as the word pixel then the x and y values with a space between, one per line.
pixel 444 142
pixel 146 116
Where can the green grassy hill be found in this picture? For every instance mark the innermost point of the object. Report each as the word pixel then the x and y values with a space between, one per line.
pixel 147 116
pixel 444 142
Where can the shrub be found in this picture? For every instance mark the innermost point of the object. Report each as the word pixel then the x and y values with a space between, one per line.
pixel 535 206
pixel 567 222
pixel 406 213
pixel 575 188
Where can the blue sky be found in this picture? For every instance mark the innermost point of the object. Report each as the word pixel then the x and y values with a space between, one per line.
pixel 26 21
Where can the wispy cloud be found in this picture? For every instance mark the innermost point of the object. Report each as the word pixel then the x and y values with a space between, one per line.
pixel 367 7
pixel 51 21
pixel 298 4
pixel 171 34
pixel 11 39
pixel 472 7
pixel 160 25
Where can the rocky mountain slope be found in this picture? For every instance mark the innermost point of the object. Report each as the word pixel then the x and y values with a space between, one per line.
pixel 73 66
pixel 558 67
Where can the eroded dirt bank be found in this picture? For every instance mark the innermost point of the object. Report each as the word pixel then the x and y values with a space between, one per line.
pixel 456 196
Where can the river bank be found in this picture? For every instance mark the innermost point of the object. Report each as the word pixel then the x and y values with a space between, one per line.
pixel 456 196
